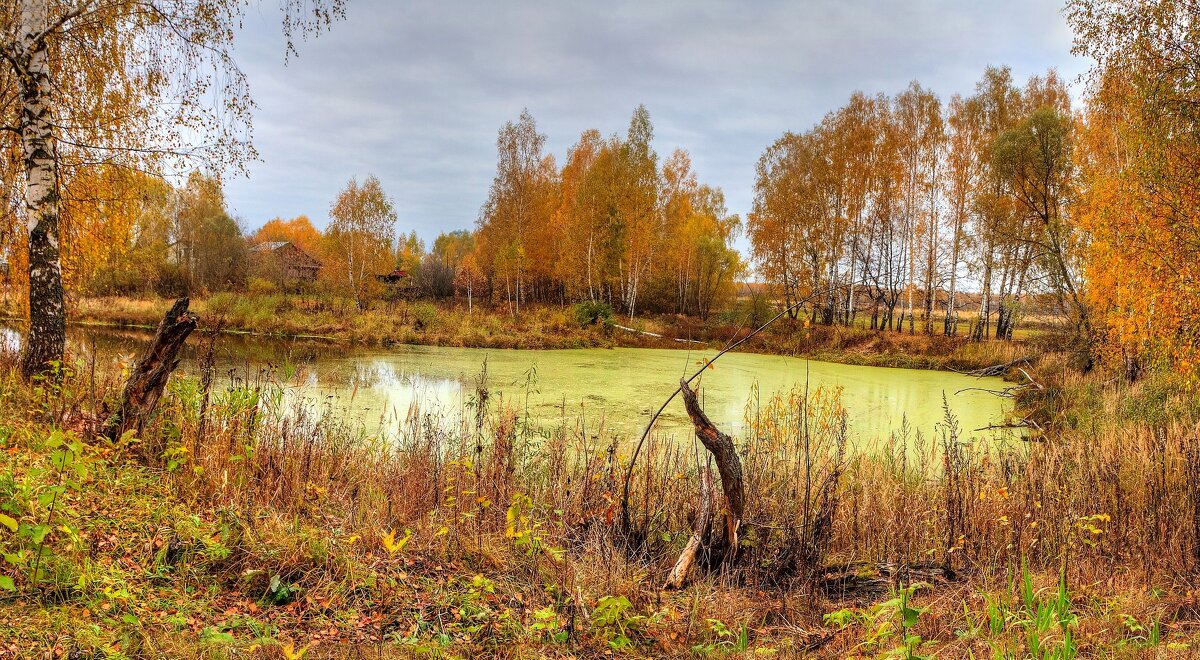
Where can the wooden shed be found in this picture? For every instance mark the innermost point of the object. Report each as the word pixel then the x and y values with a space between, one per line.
pixel 283 262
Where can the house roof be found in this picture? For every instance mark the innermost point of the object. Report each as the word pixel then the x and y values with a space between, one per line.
pixel 293 252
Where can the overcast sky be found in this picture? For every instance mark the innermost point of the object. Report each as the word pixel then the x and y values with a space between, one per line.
pixel 414 92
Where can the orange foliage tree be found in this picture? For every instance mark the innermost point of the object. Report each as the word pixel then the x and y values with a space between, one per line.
pixel 1140 162
pixel 298 231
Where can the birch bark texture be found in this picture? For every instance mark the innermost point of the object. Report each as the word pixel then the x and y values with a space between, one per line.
pixel 47 320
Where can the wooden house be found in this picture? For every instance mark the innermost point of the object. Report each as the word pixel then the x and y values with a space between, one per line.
pixel 283 262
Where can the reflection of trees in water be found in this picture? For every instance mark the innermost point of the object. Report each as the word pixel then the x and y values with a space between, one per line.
pixel 608 388
pixel 232 350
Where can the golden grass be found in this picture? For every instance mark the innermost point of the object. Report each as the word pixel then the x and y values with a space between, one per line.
pixel 512 527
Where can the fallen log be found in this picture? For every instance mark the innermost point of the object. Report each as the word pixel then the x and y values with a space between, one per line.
pixel 996 369
pixel 868 580
pixel 148 378
pixel 655 334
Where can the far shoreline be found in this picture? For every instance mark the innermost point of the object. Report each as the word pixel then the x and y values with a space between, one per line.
pixel 449 324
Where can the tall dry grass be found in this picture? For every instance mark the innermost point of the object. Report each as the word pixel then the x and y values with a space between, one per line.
pixel 1107 492
pixel 1110 490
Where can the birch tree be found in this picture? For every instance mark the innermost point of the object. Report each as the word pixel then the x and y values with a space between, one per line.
pixel 962 173
pixel 135 83
pixel 515 222
pixel 361 230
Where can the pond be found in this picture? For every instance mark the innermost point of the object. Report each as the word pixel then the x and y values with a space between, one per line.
pixel 618 388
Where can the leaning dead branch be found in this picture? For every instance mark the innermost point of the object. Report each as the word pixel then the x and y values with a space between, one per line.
pixel 1007 392
pixel 729 466
pixel 721 446
pixel 149 377
pixel 626 521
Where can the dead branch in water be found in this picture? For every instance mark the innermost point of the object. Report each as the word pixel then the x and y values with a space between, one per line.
pixel 655 334
pixel 996 369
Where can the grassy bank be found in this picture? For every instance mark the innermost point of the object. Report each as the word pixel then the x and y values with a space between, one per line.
pixel 545 327
pixel 237 527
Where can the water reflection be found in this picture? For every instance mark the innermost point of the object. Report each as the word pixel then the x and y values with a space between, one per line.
pixel 620 388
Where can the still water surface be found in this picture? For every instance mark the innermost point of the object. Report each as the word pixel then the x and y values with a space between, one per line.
pixel 619 387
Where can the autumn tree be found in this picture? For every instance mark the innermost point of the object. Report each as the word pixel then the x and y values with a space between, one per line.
pixel 298 231
pixel 410 250
pixel 116 231
pixel 999 103
pixel 964 142
pixel 207 243
pixel 636 206
pixel 920 132
pixel 598 215
pixel 696 265
pixel 1035 160
pixel 611 226
pixel 514 236
pixel 576 227
pixel 359 239
pixel 1139 193
pixel 440 266
pixel 793 225
pixel 855 136
pixel 130 83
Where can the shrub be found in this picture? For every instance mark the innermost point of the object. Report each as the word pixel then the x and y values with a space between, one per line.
pixel 261 287
pixel 425 314
pixel 588 313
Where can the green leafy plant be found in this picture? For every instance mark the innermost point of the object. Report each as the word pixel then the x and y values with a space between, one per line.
pixel 614 620
pixel 524 531
pixel 1042 616
pixel 726 640
pixel 883 622
pixel 33 543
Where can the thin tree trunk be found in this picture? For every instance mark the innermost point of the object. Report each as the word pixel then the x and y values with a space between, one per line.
pixel 951 324
pixel 682 570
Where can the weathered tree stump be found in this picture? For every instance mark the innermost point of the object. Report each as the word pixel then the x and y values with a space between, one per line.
pixel 729 466
pixel 149 377
pixel 681 572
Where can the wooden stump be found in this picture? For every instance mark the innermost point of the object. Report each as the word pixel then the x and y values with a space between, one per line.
pixel 729 466
pixel 149 377
pixel 682 571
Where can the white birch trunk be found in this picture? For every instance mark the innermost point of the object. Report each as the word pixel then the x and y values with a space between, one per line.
pixel 47 319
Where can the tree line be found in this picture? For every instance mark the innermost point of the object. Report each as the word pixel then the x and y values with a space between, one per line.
pixel 612 225
pixel 894 205
pixel 897 205
pixel 129 233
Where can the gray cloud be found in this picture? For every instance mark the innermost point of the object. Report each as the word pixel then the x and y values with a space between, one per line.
pixel 415 91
